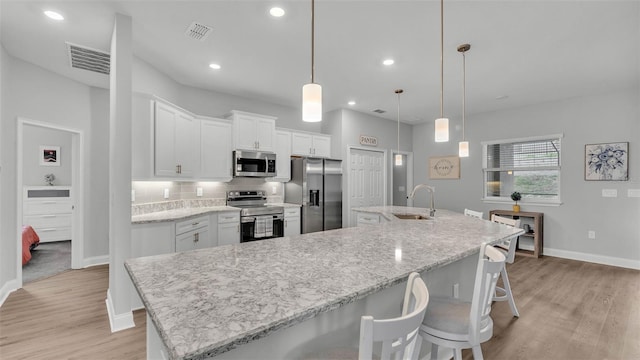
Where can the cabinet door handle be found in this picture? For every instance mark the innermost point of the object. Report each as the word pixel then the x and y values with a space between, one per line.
pixel 238 229
pixel 285 223
pixel 177 169
pixel 258 144
pixel 195 223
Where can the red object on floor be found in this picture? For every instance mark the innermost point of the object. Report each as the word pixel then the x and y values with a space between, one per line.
pixel 29 240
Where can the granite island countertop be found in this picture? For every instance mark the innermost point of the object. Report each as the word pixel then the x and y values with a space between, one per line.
pixel 206 302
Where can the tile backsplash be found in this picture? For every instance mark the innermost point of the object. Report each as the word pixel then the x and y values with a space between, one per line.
pixel 153 191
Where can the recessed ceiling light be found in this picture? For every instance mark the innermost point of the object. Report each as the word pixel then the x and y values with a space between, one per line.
pixel 388 62
pixel 276 12
pixel 502 97
pixel 214 66
pixel 54 15
pixel 351 103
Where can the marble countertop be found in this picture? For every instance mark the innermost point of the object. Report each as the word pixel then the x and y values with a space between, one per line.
pixel 178 214
pixel 209 301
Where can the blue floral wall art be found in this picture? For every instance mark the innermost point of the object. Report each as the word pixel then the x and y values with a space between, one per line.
pixel 607 161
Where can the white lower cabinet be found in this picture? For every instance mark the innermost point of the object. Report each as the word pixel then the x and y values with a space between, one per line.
pixel 291 221
pixel 363 219
pixel 151 239
pixel 228 228
pixel 193 234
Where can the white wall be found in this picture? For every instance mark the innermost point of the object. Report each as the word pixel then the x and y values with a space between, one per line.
pixel 33 173
pixel 584 120
pixel 33 93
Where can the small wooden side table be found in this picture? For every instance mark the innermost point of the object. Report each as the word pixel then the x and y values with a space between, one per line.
pixel 536 220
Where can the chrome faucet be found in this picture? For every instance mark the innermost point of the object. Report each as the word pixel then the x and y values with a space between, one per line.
pixel 432 210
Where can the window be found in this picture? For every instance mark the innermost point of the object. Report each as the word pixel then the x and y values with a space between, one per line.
pixel 530 166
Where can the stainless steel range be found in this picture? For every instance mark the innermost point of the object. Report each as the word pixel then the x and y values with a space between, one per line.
pixel 258 220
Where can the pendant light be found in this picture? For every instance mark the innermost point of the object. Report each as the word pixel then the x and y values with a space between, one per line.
pixel 442 124
pixel 398 157
pixel 312 92
pixel 463 146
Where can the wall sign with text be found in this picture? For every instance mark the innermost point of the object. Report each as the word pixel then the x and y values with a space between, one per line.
pixel 444 167
pixel 368 140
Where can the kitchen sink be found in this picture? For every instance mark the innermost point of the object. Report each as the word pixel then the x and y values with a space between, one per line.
pixel 411 217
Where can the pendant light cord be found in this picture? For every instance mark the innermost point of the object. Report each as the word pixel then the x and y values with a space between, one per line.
pixel 464 91
pixel 398 92
pixel 313 7
pixel 441 58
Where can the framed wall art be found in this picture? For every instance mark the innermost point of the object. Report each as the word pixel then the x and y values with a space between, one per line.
pixel 444 167
pixel 608 162
pixel 49 155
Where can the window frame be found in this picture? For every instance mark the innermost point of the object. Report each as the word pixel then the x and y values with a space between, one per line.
pixel 507 199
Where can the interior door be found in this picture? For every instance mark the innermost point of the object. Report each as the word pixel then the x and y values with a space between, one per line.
pixel 366 178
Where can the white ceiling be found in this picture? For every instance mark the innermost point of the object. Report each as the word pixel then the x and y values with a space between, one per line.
pixel 529 51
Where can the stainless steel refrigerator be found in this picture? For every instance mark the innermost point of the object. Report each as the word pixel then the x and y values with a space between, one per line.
pixel 316 184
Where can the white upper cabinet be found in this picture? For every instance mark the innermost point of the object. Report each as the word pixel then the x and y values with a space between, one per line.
pixel 174 145
pixel 215 149
pixel 283 156
pixel 253 131
pixel 307 144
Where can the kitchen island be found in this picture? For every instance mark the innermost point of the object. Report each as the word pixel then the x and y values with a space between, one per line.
pixel 209 302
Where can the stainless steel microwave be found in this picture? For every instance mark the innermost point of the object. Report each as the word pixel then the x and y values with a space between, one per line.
pixel 254 163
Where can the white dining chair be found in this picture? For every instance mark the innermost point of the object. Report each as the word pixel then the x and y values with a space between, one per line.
pixel 473 213
pixel 398 336
pixel 508 247
pixel 457 324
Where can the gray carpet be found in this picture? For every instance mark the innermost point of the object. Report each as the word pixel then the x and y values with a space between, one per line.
pixel 47 259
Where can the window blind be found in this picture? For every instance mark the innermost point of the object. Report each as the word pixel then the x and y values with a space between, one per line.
pixel 524 155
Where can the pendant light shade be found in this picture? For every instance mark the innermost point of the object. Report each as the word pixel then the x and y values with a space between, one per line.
pixel 442 124
pixel 463 149
pixel 463 146
pixel 312 103
pixel 398 157
pixel 442 130
pixel 312 92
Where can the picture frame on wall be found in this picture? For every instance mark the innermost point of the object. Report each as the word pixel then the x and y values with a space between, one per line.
pixel 49 155
pixel 444 167
pixel 606 162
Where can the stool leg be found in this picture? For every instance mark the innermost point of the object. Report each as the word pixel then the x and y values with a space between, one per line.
pixel 507 288
pixel 457 354
pixel 434 351
pixel 477 352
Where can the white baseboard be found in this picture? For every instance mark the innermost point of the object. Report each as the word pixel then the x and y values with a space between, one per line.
pixel 118 321
pixel 598 259
pixel 8 287
pixel 95 261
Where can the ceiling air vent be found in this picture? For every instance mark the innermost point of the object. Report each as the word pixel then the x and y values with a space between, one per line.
pixel 379 111
pixel 86 58
pixel 198 31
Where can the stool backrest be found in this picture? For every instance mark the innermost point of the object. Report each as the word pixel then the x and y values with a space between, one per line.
pixel 508 245
pixel 490 264
pixel 398 335
pixel 473 213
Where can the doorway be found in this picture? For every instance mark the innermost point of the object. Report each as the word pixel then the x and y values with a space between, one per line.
pixel 401 178
pixel 29 170
pixel 367 179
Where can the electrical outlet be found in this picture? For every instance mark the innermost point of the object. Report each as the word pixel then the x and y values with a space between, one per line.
pixel 199 191
pixel 609 193
pixel 274 189
pixel 456 291
pixel 133 195
pixel 633 192
pixel 166 193
pixel 591 234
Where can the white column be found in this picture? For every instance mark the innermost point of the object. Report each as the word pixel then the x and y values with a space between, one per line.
pixel 119 293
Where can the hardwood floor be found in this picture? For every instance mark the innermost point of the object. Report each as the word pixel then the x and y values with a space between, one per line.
pixel 569 310
pixel 65 317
